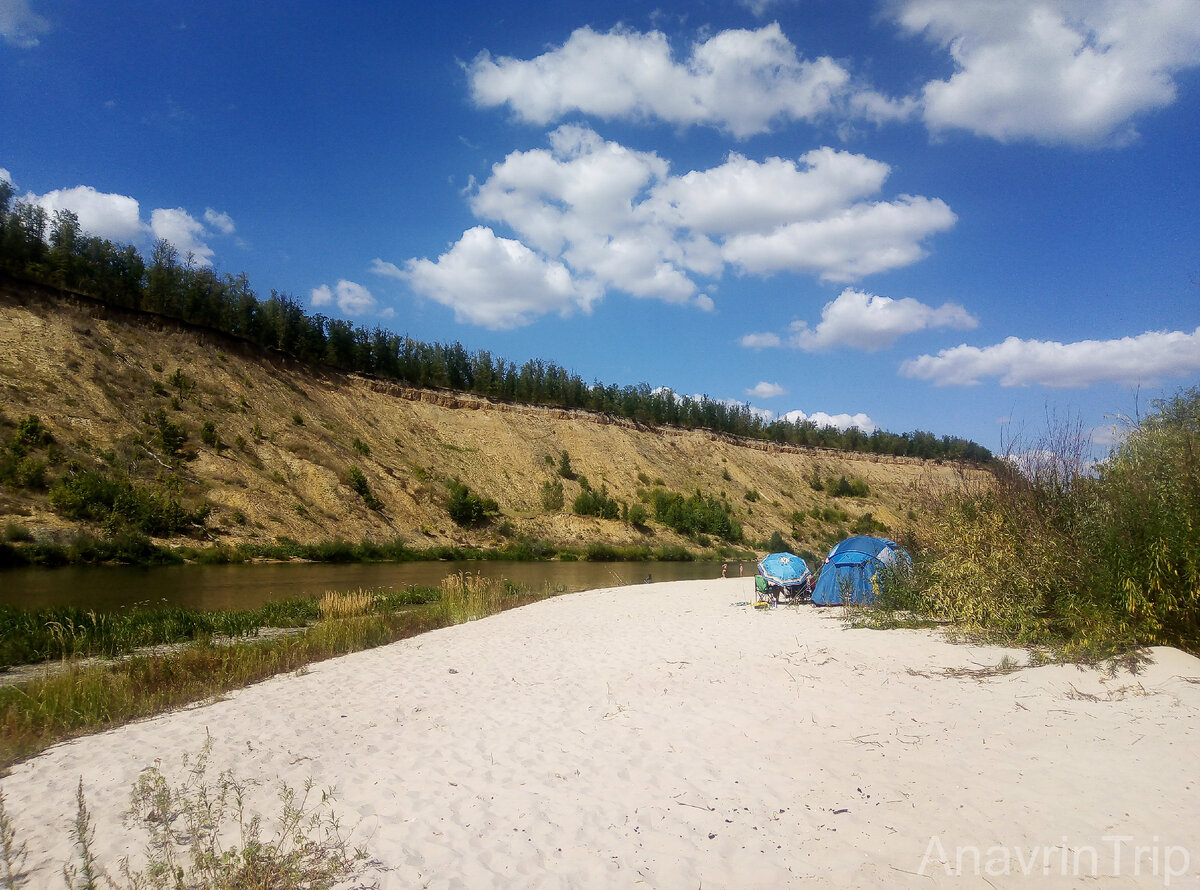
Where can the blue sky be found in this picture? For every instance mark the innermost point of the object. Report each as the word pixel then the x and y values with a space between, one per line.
pixel 965 216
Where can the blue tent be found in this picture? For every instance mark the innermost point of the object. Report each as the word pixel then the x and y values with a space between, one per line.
pixel 786 571
pixel 850 567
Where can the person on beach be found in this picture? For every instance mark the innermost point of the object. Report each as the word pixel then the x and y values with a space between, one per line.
pixel 724 570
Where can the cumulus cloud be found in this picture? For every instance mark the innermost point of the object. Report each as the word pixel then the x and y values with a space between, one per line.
pixel 351 298
pixel 617 218
pixel 765 390
pixel 184 231
pixel 739 80
pixel 116 217
pixel 1053 71
pixel 20 26
pixel 841 421
pixel 1143 359
pixel 859 320
pixel 496 282
pixel 221 222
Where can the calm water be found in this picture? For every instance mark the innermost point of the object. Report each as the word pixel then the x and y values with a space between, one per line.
pixel 249 586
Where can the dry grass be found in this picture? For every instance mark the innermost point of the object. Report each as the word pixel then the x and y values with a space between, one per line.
pixel 336 604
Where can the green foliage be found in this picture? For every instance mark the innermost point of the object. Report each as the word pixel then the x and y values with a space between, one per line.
pixel 18 467
pixel 867 525
pixel 695 515
pixel 751 495
pixel 361 447
pixel 814 481
pixel 564 465
pixel 552 495
pixel 1093 563
pixel 210 437
pixel 852 487
pixel 466 508
pixel 638 516
pixel 169 436
pixel 358 482
pixel 117 504
pixel 590 502
pixel 777 543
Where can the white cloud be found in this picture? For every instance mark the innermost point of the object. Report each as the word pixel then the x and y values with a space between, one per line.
pixel 859 320
pixel 617 219
pixel 1053 71
pixel 765 390
pixel 1130 360
pixel 858 240
pixel 841 421
pixel 351 298
pixel 221 222
pixel 760 7
pixel 496 282
pixel 5 176
pixel 116 217
pixel 20 26
pixel 761 341
pixel 184 231
pixel 739 80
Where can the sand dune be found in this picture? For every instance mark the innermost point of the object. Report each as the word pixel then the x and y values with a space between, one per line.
pixel 661 736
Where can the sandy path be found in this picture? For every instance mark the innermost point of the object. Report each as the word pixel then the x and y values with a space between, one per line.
pixel 659 736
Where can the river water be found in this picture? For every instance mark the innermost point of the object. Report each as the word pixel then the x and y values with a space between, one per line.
pixel 249 586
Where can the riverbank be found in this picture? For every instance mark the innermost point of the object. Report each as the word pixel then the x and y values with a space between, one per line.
pixel 662 734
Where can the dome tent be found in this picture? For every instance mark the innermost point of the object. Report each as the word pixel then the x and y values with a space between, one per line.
pixel 852 565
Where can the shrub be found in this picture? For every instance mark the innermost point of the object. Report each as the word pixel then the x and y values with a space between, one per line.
pixel 361 447
pixel 564 465
pixel 695 515
pixel 852 487
pixel 638 516
pixel 118 503
pixel 168 435
pixel 776 543
pixel 552 495
pixel 466 508
pixel 1092 561
pixel 590 502
pixel 209 436
pixel 358 482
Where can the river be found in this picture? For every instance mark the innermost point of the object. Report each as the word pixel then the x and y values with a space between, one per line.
pixel 249 586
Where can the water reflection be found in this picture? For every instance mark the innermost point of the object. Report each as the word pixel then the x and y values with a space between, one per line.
pixel 249 586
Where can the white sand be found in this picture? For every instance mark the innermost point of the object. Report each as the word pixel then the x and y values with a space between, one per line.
pixel 659 736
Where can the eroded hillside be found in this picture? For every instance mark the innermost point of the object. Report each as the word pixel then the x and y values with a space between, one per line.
pixel 272 446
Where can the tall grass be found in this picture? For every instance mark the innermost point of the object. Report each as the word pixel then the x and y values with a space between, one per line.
pixel 1090 560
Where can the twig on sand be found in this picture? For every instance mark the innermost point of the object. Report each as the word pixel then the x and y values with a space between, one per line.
pixel 907 872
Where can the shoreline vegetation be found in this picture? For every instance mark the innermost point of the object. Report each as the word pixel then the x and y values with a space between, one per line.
pixel 159 659
pixel 80 548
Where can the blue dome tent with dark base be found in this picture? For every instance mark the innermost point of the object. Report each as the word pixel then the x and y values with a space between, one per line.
pixel 851 566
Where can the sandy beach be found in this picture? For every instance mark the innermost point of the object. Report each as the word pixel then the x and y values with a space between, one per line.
pixel 661 736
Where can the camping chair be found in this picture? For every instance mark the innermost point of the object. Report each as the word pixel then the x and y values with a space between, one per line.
pixel 766 591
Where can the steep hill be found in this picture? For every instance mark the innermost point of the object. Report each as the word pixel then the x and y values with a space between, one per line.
pixel 276 448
